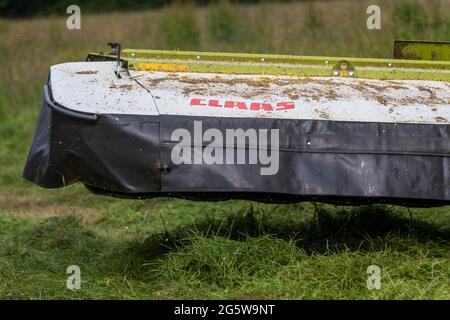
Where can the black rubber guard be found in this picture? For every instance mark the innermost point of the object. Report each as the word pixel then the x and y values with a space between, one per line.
pixel 330 161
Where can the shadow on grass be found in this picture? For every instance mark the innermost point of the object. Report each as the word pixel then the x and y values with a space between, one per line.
pixel 360 228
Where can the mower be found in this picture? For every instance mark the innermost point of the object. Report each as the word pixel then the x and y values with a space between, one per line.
pixel 273 128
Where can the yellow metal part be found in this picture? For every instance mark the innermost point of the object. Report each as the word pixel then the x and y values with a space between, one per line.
pixel 171 67
pixel 267 64
pixel 422 50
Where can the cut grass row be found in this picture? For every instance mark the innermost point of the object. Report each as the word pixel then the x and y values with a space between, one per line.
pixel 253 254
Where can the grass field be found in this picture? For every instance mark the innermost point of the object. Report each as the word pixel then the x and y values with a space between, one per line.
pixel 165 248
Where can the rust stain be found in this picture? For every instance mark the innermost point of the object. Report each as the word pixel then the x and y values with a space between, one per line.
pixel 259 82
pixel 322 114
pixel 291 93
pixel 122 86
pixel 87 72
pixel 305 88
pixel 440 119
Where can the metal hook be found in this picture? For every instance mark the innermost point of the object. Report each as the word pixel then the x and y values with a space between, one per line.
pixel 116 50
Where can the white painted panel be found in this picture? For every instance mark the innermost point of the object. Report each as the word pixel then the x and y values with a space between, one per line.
pixel 339 99
pixel 93 87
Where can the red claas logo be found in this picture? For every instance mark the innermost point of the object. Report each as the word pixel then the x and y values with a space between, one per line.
pixel 254 106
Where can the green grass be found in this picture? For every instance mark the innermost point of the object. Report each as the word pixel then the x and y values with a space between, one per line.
pixel 263 251
pixel 166 248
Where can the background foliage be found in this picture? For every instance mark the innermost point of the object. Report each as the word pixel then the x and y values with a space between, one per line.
pixel 28 8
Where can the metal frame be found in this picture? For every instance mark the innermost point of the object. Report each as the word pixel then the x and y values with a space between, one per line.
pixel 270 64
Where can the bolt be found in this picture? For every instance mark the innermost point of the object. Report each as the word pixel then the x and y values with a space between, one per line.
pixel 165 169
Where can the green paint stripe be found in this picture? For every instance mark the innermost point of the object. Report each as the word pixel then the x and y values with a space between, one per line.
pixel 298 70
pixel 284 65
pixel 287 59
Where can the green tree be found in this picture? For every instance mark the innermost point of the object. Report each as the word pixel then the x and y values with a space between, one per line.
pixel 180 29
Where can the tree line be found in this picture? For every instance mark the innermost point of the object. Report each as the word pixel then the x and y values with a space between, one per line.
pixel 30 8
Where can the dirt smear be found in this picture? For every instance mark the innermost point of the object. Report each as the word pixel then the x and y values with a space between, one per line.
pixel 385 92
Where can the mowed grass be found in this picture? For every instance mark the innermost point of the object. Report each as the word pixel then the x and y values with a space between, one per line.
pixel 167 248
pixel 273 252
